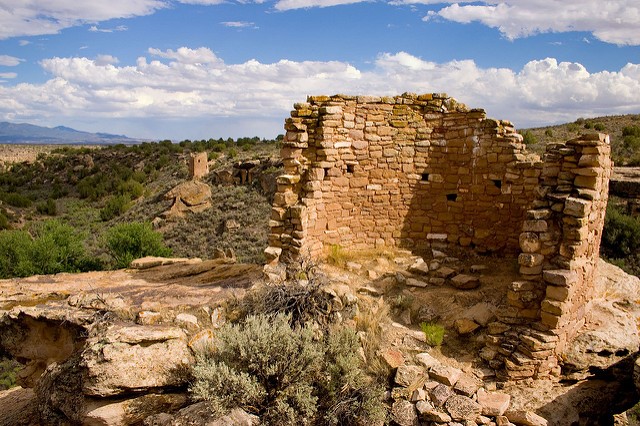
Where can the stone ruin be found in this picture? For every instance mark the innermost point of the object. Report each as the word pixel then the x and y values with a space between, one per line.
pixel 193 195
pixel 198 165
pixel 421 171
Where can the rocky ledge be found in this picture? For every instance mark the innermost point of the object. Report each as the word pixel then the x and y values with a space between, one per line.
pixel 114 348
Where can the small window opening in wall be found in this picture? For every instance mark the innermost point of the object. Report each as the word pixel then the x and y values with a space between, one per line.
pixel 326 173
pixel 350 168
pixel 497 183
pixel 425 177
pixel 452 197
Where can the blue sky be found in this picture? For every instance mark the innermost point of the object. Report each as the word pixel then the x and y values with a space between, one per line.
pixel 211 68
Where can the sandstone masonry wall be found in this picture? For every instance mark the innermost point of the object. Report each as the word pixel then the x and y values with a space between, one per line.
pixel 560 244
pixel 405 171
pixel 421 171
pixel 198 165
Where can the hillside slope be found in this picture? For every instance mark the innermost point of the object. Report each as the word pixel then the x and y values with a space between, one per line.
pixel 623 130
pixel 95 189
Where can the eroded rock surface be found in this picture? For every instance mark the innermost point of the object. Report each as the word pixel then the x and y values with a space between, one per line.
pixel 110 348
pixel 114 345
pixel 191 196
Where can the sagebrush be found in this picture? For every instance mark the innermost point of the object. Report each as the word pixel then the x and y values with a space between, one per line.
pixel 128 241
pixel 51 247
pixel 286 375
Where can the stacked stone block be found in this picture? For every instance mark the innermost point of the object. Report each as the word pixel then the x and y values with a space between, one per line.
pixel 560 243
pixel 418 171
pixel 198 165
pixel 408 171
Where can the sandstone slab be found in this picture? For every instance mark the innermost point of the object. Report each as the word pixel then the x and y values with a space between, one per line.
pixel 465 282
pixel 461 407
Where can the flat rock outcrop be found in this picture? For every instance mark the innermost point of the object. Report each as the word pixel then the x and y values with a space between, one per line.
pixel 111 348
pixel 191 196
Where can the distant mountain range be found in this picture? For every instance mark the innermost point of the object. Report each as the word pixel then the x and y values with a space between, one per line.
pixel 21 133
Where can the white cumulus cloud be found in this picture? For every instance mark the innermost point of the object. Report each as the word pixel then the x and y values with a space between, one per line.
pixel 303 4
pixel 95 29
pixel 238 24
pixel 616 22
pixel 106 60
pixel 9 61
pixel 37 17
pixel 188 88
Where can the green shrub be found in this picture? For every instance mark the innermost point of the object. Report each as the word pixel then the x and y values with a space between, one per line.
pixel 16 200
pixel 15 252
pixel 529 138
pixel 162 161
pixel 573 127
pixel 548 133
pixel 139 176
pixel 621 239
pixel 54 248
pixel 116 205
pixel 286 375
pixel 337 256
pixel 621 233
pixel 349 397
pixel 132 188
pixel 401 303
pixel 128 241
pixel 4 221
pixel 263 366
pixel 599 127
pixel 433 332
pixel 8 370
pixel 48 207
pixel 631 131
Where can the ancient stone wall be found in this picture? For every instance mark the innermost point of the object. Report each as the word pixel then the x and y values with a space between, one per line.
pixel 560 244
pixel 404 171
pixel 417 171
pixel 198 165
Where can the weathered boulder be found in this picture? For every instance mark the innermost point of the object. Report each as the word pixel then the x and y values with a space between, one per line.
pixel 427 412
pixel 465 282
pixel 200 414
pixel 190 196
pixel 404 413
pixel 445 374
pixel 132 358
pixel 465 326
pixel 613 333
pixel 467 385
pixel 391 357
pixel 525 418
pixel 408 374
pixel 18 407
pixel 493 403
pixel 440 394
pixel 461 407
pixel 41 335
pixel 153 261
pixel 419 267
pixel 426 360
pixel 121 377
pixel 130 411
